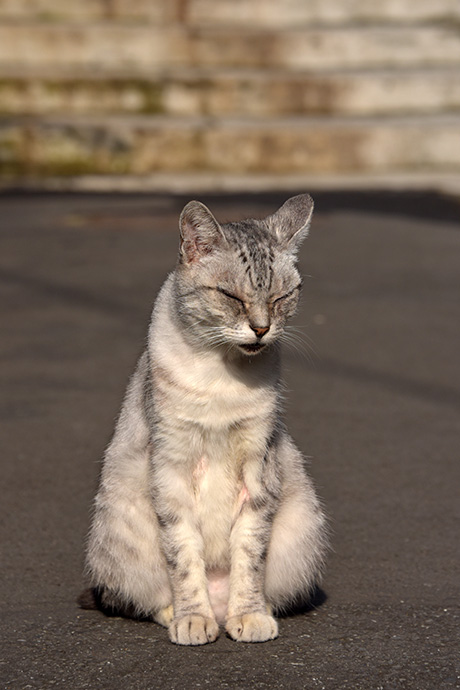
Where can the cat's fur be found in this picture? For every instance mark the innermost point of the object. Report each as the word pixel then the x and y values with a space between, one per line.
pixel 205 514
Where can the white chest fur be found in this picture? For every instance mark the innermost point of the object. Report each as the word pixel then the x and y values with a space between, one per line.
pixel 214 418
pixel 219 494
pixel 200 386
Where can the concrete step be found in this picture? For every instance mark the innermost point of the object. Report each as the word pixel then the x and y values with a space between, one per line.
pixel 235 12
pixel 91 48
pixel 191 183
pixel 292 146
pixel 254 93
pixel 275 94
pixel 89 10
pixel 107 46
pixel 294 12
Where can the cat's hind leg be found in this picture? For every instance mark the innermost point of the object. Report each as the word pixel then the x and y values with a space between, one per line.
pixel 298 539
pixel 125 562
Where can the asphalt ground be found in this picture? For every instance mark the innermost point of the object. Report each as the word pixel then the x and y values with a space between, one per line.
pixel 374 403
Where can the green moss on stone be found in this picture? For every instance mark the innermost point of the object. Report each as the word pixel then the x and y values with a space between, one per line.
pixel 106 94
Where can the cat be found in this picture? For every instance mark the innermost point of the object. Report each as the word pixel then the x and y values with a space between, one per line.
pixel 205 516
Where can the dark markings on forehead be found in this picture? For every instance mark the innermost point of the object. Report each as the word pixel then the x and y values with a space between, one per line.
pixel 254 247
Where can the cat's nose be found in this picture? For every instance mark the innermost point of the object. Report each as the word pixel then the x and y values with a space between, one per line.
pixel 260 331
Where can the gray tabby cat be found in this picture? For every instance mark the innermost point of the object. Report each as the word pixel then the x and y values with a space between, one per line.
pixel 205 514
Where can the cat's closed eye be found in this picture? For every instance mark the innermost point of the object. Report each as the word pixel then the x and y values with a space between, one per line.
pixel 288 294
pixel 230 295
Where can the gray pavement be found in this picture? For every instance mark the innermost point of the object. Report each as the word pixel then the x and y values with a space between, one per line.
pixel 375 407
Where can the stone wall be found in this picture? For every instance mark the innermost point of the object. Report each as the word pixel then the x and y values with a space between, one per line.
pixel 229 89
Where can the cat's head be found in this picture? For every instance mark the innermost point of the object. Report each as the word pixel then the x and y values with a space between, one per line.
pixel 237 283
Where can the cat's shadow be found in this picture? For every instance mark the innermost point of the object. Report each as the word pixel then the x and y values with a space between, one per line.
pixel 303 606
pixel 91 599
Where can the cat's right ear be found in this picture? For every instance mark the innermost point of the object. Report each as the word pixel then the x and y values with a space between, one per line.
pixel 291 222
pixel 200 233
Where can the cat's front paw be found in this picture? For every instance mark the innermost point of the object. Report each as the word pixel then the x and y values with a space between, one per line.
pixel 193 630
pixel 252 627
pixel 164 616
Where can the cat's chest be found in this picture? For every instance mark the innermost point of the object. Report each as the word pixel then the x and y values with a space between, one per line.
pixel 206 393
pixel 219 495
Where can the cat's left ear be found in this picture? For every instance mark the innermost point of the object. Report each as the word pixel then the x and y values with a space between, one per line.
pixel 200 233
pixel 291 222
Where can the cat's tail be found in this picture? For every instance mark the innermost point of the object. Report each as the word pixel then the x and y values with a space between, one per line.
pixel 103 599
pixel 88 599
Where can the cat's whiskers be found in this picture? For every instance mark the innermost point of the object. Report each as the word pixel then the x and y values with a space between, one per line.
pixel 298 341
pixel 215 340
pixel 299 332
pixel 214 337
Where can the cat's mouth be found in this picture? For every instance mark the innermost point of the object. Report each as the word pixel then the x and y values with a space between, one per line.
pixel 252 348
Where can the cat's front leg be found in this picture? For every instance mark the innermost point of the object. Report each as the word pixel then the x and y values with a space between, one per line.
pixel 193 621
pixel 249 617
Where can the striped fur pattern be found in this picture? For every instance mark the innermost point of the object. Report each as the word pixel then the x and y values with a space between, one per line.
pixel 205 516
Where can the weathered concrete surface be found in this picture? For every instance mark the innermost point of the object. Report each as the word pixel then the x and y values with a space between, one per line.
pixel 376 409
pixel 233 12
pixel 250 93
pixel 138 145
pixel 113 87
pixel 110 46
pixel 292 12
pixel 91 10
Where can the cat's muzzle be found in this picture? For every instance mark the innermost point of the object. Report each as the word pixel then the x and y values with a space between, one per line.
pixel 252 348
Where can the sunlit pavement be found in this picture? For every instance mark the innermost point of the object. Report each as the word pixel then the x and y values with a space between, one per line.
pixel 373 400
